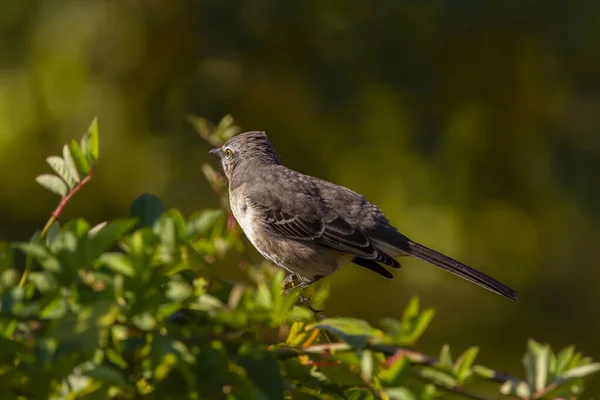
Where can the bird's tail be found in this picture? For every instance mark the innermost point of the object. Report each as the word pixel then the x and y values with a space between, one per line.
pixel 448 264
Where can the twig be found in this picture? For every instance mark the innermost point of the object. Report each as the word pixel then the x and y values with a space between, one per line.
pixel 453 389
pixel 54 216
pixel 392 351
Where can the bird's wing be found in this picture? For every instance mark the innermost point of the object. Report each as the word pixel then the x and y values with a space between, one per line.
pixel 328 230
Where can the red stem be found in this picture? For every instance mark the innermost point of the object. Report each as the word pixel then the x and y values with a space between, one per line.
pixel 63 202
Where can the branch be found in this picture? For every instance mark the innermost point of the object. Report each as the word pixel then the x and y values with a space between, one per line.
pixel 393 353
pixel 54 216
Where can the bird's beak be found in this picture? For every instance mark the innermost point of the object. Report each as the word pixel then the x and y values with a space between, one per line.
pixel 216 151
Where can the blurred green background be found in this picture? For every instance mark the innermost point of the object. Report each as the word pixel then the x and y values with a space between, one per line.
pixel 474 125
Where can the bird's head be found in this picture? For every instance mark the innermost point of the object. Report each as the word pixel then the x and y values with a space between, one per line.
pixel 245 150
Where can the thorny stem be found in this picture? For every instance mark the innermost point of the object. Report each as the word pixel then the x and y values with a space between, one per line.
pixel 54 216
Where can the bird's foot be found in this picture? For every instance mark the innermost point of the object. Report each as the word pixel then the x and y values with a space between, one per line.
pixel 303 282
pixel 288 281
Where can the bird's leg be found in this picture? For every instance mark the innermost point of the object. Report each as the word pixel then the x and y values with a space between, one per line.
pixel 306 282
pixel 288 281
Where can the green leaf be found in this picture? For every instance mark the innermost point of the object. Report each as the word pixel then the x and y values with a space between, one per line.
pixel 81 162
pixel 55 309
pixel 354 331
pixel 70 163
pixel 108 234
pixel 484 372
pixel 178 290
pixel 62 169
pixel 117 262
pixel 263 297
pixel 563 358
pixel 445 356
pixel 401 393
pixel 581 371
pixel 53 231
pixel 462 365
pixel 79 227
pixel 366 365
pixel 90 142
pixel 116 358
pixel 394 374
pixel 53 183
pixel 530 364
pixel 97 228
pixel 43 281
pixel 542 364
pixel 147 208
pixel 65 241
pixel 412 309
pixel 108 375
pixel 519 388
pixel 144 321
pixel 201 223
pixel 178 222
pixel 40 253
pixel 421 324
pixel 165 229
pixel 437 376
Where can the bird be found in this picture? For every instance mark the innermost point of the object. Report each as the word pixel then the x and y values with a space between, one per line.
pixel 311 227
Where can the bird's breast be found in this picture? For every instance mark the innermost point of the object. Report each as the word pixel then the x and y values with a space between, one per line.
pixel 303 257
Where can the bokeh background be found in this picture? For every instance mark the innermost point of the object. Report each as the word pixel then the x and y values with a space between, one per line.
pixel 475 125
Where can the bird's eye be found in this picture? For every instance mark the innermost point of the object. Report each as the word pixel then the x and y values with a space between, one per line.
pixel 228 152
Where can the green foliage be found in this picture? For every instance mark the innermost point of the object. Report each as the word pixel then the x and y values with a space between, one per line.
pixel 134 308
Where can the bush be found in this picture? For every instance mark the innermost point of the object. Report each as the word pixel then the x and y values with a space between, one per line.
pixel 131 308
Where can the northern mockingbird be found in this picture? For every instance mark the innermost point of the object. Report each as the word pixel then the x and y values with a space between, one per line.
pixel 311 227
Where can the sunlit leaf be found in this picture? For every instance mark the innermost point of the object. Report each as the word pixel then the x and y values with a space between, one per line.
pixel 81 162
pixel 90 142
pixel 439 377
pixel 563 358
pixel 401 393
pixel 70 163
pixel 52 232
pixel 178 290
pixel 144 321
pixel 263 297
pixel 54 309
pixel 53 183
pixel 581 371
pixel 395 370
pixel 445 356
pixel 64 241
pixel 108 234
pixel 421 324
pixel 201 223
pixel 463 363
pixel 366 365
pixel 354 331
pixel 40 253
pixel 62 169
pixel 519 388
pixel 118 262
pixel 484 372
pixel 541 368
pixel 108 375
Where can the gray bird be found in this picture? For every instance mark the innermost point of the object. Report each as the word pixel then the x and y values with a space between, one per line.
pixel 311 227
